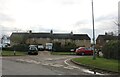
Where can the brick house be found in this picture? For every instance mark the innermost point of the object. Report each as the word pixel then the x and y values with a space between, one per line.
pixel 102 39
pixel 43 38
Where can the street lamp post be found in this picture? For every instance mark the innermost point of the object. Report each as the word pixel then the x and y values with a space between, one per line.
pixel 1 48
pixel 94 57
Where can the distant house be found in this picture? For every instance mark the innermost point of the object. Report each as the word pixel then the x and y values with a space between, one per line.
pixel 43 38
pixel 102 39
pixel 5 41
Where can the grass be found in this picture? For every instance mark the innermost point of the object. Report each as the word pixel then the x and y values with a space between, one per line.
pixel 63 53
pixel 102 63
pixel 11 53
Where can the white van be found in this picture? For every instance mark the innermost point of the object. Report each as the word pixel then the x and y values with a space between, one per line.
pixel 49 46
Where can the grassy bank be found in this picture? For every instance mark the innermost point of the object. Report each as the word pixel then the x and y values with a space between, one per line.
pixel 102 63
pixel 63 53
pixel 11 53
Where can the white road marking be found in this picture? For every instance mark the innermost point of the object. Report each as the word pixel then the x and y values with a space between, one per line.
pixel 45 64
pixel 56 65
pixel 20 60
pixel 49 59
pixel 68 67
pixel 28 61
pixel 66 62
pixel 59 74
pixel 91 72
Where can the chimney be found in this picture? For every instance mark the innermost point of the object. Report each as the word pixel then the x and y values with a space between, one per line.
pixel 71 32
pixel 30 31
pixel 51 31
pixel 106 33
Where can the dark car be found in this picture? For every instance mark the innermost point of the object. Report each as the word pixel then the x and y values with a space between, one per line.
pixel 33 50
pixel 84 51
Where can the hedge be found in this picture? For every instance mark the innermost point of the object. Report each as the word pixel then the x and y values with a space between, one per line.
pixel 111 50
pixel 19 47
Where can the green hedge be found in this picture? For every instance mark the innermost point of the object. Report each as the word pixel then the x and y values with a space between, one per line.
pixel 19 47
pixel 111 50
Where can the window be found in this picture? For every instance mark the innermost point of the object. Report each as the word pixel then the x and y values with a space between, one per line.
pixel 47 38
pixel 55 39
pixel 107 41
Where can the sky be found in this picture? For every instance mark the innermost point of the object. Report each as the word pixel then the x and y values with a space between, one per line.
pixel 61 16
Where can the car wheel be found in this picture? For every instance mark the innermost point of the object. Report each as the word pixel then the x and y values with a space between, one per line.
pixel 28 53
pixel 36 53
pixel 83 53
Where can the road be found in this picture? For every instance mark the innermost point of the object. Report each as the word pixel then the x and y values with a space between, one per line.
pixel 42 64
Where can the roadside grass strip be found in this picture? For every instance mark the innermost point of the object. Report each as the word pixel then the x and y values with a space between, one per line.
pixel 99 63
pixel 63 53
pixel 11 53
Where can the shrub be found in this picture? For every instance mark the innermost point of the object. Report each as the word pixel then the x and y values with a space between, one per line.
pixel 111 49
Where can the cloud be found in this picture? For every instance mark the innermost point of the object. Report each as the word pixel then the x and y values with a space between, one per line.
pixel 4 17
pixel 107 17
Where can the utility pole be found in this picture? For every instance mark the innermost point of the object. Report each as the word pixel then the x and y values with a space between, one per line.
pixel 94 57
pixel 1 46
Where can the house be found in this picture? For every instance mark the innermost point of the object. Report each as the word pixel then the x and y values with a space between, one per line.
pixel 5 41
pixel 102 39
pixel 43 38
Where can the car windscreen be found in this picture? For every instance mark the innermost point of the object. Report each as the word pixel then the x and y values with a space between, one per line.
pixel 32 48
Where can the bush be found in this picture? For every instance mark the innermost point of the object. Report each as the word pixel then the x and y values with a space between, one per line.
pixel 7 49
pixel 111 49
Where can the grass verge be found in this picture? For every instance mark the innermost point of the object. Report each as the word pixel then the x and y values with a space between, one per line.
pixel 101 63
pixel 63 53
pixel 11 53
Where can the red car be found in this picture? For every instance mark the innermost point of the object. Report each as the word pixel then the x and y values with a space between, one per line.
pixel 84 51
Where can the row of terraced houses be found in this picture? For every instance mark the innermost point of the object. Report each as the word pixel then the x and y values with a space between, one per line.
pixel 50 37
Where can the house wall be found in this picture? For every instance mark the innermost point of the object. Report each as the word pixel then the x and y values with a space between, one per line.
pixel 13 43
pixel 43 41
pixel 100 42
pixel 85 43
pixel 62 41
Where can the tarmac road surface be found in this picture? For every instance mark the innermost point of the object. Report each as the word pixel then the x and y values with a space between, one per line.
pixel 42 64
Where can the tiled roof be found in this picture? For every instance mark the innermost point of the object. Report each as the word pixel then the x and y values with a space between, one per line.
pixel 107 37
pixel 54 35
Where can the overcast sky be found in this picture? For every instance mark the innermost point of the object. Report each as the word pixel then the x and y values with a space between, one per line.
pixel 58 15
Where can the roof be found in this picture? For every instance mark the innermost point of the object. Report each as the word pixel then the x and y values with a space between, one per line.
pixel 54 35
pixel 5 37
pixel 81 36
pixel 107 37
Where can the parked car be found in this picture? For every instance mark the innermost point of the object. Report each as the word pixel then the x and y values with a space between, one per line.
pixel 41 47
pixel 84 51
pixel 49 46
pixel 72 50
pixel 33 50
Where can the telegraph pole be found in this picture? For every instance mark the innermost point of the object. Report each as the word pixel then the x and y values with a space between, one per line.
pixel 94 57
